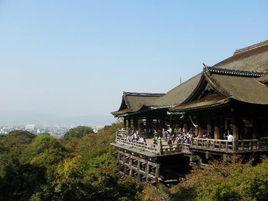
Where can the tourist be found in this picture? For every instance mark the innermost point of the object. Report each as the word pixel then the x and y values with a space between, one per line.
pixel 136 135
pixel 230 137
pixel 141 140
pixel 164 134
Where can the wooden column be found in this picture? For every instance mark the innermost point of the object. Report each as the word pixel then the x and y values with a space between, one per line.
pixel 124 162
pixel 139 170
pixel 185 127
pixel 147 171
pixel 130 166
pixel 147 126
pixel 209 127
pixel 196 131
pixel 125 122
pixel 217 134
pixel 129 122
pixel 255 129
pixel 201 131
pixel 225 124
pixel 162 123
pixel 235 129
pixel 157 172
pixel 135 123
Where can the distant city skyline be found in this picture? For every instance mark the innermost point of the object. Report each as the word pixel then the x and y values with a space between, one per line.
pixel 67 62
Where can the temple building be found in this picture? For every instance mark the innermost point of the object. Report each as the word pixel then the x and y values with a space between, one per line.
pixel 220 112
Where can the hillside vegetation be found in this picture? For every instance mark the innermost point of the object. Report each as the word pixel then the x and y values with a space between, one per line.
pixel 82 166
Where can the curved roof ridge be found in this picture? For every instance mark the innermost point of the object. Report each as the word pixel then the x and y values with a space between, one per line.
pixel 250 58
pixel 142 94
pixel 185 82
pixel 251 47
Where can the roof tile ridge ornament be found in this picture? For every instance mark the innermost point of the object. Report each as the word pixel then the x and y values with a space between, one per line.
pixel 232 72
pixel 142 94
pixel 206 69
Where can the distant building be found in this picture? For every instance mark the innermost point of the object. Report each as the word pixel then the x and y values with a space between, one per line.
pixel 189 125
pixel 30 127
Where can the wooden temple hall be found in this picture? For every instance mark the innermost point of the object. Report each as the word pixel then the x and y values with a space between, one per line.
pixel 219 112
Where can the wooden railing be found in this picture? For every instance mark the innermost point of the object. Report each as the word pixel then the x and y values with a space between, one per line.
pixel 230 147
pixel 253 145
pixel 138 145
pixel 213 145
pixel 171 149
pixel 158 148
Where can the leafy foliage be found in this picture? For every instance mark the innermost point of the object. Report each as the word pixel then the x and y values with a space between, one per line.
pixel 77 167
pixel 79 132
pixel 43 168
pixel 155 193
pixel 225 181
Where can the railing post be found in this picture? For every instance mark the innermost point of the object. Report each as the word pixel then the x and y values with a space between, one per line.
pixel 235 145
pixel 116 135
pixel 157 170
pixel 159 146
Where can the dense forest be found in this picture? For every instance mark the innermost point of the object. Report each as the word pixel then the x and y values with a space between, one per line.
pixel 82 166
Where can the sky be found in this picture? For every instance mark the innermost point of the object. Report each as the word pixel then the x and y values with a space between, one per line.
pixel 69 61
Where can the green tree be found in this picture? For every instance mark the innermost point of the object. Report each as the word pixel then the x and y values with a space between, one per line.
pixel 17 138
pixel 20 181
pixel 11 147
pixel 78 132
pixel 45 151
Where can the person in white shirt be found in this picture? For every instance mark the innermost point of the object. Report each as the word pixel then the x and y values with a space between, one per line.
pixel 230 137
pixel 169 130
pixel 136 135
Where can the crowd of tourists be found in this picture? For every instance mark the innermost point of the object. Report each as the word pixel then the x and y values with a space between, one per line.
pixel 132 136
pixel 176 136
pixel 168 135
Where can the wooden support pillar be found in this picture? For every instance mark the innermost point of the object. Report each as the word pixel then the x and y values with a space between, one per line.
pixel 157 123
pixel 130 165
pixel 217 130
pixel 157 172
pixel 139 169
pixel 124 163
pixel 217 134
pixel 119 160
pixel 159 146
pixel 147 171
pixel 196 131
pixel 235 132
pixel 225 124
pixel 129 123
pixel 201 131
pixel 209 126
pixel 135 123
pixel 255 129
pixel 147 126
pixel 162 123
pixel 125 122
pixel 235 129
pixel 209 129
pixel 185 127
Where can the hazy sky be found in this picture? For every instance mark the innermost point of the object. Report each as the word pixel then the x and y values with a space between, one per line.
pixel 68 59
